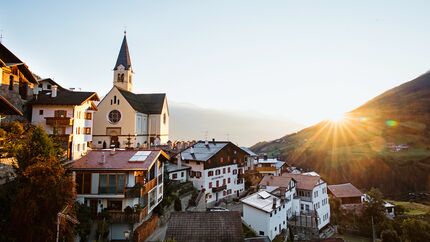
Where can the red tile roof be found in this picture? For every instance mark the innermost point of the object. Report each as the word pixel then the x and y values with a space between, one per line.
pixel 276 181
pixel 304 182
pixel 117 161
pixel 344 190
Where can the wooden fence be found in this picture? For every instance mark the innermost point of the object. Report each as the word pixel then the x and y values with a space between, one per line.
pixel 142 232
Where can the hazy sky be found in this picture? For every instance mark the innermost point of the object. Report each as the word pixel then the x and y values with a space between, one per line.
pixel 304 60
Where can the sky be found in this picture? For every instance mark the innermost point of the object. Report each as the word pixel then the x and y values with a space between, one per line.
pixel 299 60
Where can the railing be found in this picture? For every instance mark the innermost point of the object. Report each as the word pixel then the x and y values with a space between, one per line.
pixel 150 185
pixel 132 192
pixel 109 190
pixel 218 189
pixel 122 217
pixel 59 121
pixel 265 169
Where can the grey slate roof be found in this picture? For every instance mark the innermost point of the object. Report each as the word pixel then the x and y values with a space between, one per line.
pixel 123 56
pixel 64 97
pixel 145 103
pixel 249 151
pixel 174 167
pixel 202 152
pixel 205 226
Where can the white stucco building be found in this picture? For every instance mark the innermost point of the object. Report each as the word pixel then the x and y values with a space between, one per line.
pixel 127 119
pixel 265 214
pixel 217 167
pixel 67 115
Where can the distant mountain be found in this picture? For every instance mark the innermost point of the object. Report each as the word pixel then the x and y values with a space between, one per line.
pixel 190 122
pixel 384 143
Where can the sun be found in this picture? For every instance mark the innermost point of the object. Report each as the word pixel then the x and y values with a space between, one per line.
pixel 337 117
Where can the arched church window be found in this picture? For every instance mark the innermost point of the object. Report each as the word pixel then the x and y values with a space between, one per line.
pixel 129 79
pixel 114 99
pixel 122 77
pixel 164 118
pixel 119 77
pixel 114 116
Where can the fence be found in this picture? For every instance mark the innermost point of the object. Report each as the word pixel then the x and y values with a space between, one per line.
pixel 142 232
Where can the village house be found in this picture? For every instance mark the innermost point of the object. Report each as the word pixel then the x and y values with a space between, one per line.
pixel 67 115
pixel 313 197
pixel 127 119
pixel 305 198
pixel 217 168
pixel 16 84
pixel 269 166
pixel 178 171
pixel 250 159
pixel 266 213
pixel 346 193
pixel 113 180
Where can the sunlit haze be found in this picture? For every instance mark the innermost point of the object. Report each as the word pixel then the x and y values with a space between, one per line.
pixel 304 60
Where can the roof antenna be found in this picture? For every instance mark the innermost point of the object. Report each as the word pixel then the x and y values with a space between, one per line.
pixel 1 36
pixel 125 30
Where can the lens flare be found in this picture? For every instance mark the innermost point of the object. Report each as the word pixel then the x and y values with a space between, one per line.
pixel 391 123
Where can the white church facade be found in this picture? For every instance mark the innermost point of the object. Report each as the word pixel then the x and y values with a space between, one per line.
pixel 126 119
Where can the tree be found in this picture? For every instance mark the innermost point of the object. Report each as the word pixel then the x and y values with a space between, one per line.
pixel 373 208
pixel 42 190
pixel 177 204
pixel 390 236
pixel 83 214
pixel 414 230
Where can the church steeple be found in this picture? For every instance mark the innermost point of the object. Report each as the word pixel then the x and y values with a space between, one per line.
pixel 123 72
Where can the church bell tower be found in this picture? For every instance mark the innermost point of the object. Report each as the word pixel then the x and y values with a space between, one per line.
pixel 122 72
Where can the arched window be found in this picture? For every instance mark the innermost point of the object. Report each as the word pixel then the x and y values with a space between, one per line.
pixel 164 118
pixel 122 77
pixel 114 99
pixel 118 78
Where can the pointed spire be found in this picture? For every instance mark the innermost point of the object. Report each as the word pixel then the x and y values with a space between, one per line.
pixel 124 55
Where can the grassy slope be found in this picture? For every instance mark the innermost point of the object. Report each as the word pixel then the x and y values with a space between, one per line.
pixel 355 151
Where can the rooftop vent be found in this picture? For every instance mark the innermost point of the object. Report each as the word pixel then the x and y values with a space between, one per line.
pixel 112 151
pixel 103 158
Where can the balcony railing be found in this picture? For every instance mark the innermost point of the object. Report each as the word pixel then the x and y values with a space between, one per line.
pixel 265 169
pixel 122 217
pixel 133 192
pixel 59 121
pixel 218 189
pixel 109 190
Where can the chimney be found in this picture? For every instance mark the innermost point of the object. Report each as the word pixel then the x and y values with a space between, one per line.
pixel 112 151
pixel 179 161
pixel 274 203
pixel 213 141
pixel 192 150
pixel 54 90
pixel 265 156
pixel 207 143
pixel 103 160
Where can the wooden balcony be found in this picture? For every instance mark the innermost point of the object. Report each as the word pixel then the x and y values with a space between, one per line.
pixel 150 185
pixel 59 121
pixel 265 169
pixel 133 192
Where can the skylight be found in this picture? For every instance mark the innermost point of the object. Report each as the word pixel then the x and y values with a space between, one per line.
pixel 140 156
pixel 264 194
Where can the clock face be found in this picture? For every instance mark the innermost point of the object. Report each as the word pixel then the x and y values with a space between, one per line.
pixel 114 116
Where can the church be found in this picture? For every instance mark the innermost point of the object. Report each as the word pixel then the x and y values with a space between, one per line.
pixel 126 119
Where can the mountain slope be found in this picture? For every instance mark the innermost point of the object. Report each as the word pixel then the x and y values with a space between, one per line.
pixel 384 143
